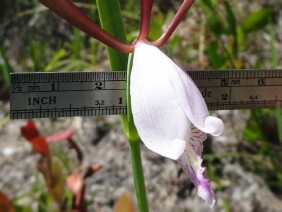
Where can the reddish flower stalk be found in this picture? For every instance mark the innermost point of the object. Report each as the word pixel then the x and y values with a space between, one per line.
pixel 174 23
pixel 146 9
pixel 74 146
pixel 68 135
pixel 76 183
pixel 71 13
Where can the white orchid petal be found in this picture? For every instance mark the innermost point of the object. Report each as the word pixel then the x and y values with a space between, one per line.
pixel 214 125
pixel 160 120
pixel 193 103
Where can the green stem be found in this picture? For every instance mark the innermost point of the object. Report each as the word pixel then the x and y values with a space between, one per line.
pixel 134 147
pixel 138 175
pixel 111 21
pixel 131 130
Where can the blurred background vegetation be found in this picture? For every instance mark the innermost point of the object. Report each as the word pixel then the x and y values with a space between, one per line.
pixel 216 34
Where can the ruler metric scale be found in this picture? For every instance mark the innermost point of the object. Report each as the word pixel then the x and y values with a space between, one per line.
pixel 59 94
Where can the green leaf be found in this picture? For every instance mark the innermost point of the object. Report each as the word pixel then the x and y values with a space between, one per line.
pixel 232 25
pixel 93 51
pixel 111 21
pixel 56 185
pixel 231 19
pixel 215 25
pixel 5 67
pixel 77 43
pixel 217 60
pixel 278 116
pixel 54 179
pixel 156 26
pixel 33 54
pixel 251 132
pixel 208 4
pixel 46 203
pixel 21 208
pixel 273 47
pixel 257 20
pixel 214 21
pixel 241 36
pixel 174 44
pixel 56 58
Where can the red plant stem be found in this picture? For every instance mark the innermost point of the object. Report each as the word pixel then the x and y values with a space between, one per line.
pixel 79 204
pixel 71 13
pixel 174 23
pixel 146 9
pixel 74 146
pixel 91 170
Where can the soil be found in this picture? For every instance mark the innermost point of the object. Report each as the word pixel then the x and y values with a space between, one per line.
pixel 168 189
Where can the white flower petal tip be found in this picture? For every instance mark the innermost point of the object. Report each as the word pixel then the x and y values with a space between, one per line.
pixel 177 148
pixel 214 126
pixel 172 150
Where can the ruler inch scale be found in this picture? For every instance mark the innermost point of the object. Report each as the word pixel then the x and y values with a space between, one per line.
pixel 69 94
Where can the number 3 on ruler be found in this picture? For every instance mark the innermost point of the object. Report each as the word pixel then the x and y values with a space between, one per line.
pixel 99 102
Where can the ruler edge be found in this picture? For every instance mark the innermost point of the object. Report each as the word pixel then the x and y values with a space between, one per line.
pixel 224 73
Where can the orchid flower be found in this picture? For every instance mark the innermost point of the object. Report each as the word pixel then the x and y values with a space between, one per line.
pixel 168 110
pixel 170 113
